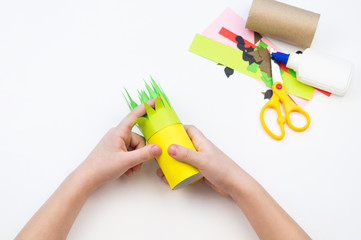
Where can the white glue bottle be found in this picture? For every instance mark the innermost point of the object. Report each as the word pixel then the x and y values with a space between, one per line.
pixel 319 70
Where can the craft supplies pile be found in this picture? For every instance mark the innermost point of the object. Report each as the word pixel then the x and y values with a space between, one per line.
pixel 290 79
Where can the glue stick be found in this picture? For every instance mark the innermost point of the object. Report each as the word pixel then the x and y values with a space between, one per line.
pixel 319 70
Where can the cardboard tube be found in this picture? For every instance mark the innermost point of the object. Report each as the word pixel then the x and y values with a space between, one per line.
pixel 284 22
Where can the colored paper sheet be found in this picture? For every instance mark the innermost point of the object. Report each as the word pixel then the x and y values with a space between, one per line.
pixel 232 58
pixel 259 53
pixel 292 85
pixel 298 88
pixel 236 24
pixel 232 36
pixel 222 54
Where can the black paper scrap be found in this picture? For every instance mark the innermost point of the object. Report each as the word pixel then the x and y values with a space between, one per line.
pixel 268 94
pixel 228 71
pixel 257 37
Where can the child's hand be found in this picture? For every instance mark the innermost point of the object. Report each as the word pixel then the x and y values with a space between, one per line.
pixel 120 151
pixel 220 172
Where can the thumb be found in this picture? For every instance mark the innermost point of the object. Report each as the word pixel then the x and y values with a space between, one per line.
pixel 143 154
pixel 184 154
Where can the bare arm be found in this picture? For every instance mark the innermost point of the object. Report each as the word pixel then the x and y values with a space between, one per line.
pixel 267 218
pixel 119 152
pixel 55 218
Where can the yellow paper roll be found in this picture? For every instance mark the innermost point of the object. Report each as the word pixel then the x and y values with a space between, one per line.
pixel 178 174
pixel 161 125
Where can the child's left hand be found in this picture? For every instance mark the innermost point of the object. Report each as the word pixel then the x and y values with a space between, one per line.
pixel 120 151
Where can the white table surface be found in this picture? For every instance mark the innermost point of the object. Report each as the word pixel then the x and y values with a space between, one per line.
pixel 63 65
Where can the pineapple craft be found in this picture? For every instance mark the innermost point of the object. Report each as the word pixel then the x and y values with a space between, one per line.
pixel 162 126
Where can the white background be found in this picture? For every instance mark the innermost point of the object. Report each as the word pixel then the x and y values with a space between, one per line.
pixel 63 66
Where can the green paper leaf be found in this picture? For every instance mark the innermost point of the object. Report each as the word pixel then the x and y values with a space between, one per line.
pixel 150 111
pixel 158 104
pixel 267 80
pixel 262 44
pixel 126 100
pixel 292 72
pixel 253 67
pixel 157 118
pixel 131 102
pixel 151 92
pixel 143 97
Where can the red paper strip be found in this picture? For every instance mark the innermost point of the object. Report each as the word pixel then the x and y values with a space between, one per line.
pixel 283 66
pixel 232 36
pixel 324 92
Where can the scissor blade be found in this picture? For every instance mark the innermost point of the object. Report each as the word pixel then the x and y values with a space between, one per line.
pixel 276 73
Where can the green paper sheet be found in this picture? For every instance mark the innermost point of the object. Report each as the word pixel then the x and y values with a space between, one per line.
pixel 223 54
pixel 295 87
pixel 232 58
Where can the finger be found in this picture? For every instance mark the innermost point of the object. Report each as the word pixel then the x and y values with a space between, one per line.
pixel 143 154
pixel 137 168
pixel 160 173
pixel 164 180
pixel 184 154
pixel 196 136
pixel 136 141
pixel 129 172
pixel 127 123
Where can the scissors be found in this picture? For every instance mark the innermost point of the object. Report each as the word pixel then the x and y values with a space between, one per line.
pixel 280 95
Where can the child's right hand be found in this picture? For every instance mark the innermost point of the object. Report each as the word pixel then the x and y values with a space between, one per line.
pixel 220 171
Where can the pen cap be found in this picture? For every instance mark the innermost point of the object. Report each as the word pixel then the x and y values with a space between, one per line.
pixel 322 71
pixel 280 57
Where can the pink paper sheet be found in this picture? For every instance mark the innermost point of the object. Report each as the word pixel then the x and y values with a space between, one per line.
pixel 235 23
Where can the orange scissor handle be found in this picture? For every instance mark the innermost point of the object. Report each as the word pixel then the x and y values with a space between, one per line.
pixel 280 95
pixel 274 102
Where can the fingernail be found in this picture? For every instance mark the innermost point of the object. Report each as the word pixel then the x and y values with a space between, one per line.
pixel 172 150
pixel 155 149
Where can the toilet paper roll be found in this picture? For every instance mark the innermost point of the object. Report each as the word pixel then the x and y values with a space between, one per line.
pixel 282 21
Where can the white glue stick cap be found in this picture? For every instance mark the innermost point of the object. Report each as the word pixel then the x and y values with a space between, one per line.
pixel 294 61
